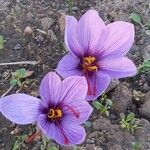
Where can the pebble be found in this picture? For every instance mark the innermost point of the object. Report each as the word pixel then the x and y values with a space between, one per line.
pixel 52 35
pixel 17 47
pixel 145 108
pixel 46 23
pixel 146 54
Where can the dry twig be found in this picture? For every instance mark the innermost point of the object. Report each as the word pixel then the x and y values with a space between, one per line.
pixel 20 63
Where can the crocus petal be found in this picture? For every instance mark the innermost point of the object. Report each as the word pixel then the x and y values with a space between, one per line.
pixel 64 133
pixel 20 108
pixel 118 68
pixel 73 88
pixel 73 132
pixel 91 32
pixel 119 40
pixel 77 111
pixel 48 128
pixel 98 83
pixel 69 66
pixel 49 88
pixel 71 40
pixel 72 99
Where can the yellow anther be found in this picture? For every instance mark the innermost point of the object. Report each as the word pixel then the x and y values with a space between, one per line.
pixel 54 113
pixel 89 64
pixel 88 60
pixel 92 68
pixel 51 113
pixel 58 113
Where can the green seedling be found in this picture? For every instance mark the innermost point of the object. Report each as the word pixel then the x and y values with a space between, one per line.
pixel 129 122
pixel 53 148
pixel 135 146
pixel 137 95
pixel 2 41
pixel 19 141
pixel 144 67
pixel 103 105
pixel 18 75
pixel 136 18
pixel 70 5
pixel 13 14
pixel 47 144
pixel 147 28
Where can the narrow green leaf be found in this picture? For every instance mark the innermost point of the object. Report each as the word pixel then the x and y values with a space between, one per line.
pixel 16 145
pixel 130 117
pixel 1 42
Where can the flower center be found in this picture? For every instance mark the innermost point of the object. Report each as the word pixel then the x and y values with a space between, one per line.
pixel 54 113
pixel 89 64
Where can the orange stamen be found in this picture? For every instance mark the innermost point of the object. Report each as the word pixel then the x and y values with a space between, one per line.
pixel 54 113
pixel 89 60
pixel 88 64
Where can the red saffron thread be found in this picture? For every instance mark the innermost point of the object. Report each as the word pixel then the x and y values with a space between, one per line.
pixel 89 85
pixel 77 114
pixel 94 92
pixel 66 141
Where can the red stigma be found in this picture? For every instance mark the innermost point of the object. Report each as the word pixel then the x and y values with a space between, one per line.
pixel 89 65
pixel 66 141
pixel 76 113
pixel 88 83
pixel 94 92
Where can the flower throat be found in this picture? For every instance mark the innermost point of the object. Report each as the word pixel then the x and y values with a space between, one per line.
pixel 90 66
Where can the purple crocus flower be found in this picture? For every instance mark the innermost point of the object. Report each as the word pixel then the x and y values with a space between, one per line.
pixel 97 51
pixel 58 114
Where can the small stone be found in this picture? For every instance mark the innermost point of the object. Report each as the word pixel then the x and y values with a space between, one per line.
pixel 112 14
pixel 116 147
pixel 143 134
pixel 17 47
pixel 5 74
pixel 28 31
pixel 46 23
pixel 92 147
pixel 146 87
pixel 52 36
pixel 145 108
pixel 146 54
pixel 122 98
pixel 90 141
pixel 74 8
pixel 29 16
pixel 62 24
pixel 112 85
